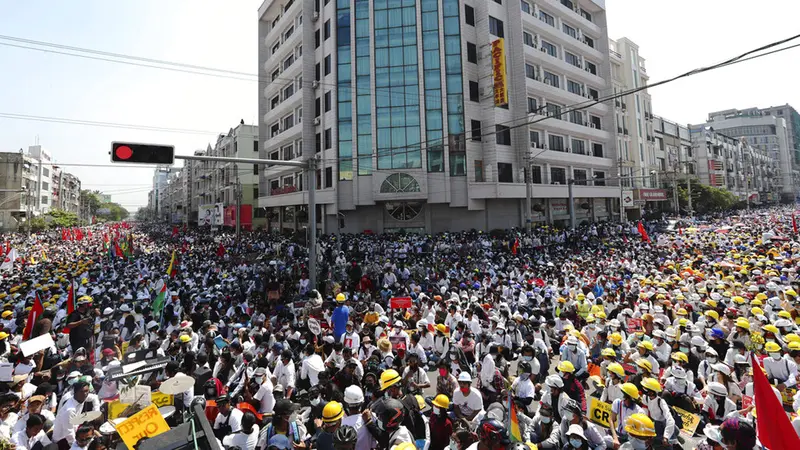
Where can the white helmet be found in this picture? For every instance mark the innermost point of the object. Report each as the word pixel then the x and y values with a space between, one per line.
pixel 717 389
pixel 353 396
pixel 554 381
pixel 697 341
pixel 678 372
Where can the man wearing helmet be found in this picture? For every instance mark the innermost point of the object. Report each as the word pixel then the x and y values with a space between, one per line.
pixel 621 411
pixel 576 356
pixel 780 369
pixel 467 400
pixel 353 403
pixel 641 432
pixel 332 415
pixel 387 427
pixel 492 435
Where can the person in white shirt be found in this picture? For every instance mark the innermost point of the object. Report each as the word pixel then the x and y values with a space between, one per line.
pixel 467 400
pixel 35 407
pixel 247 437
pixel 264 394
pixel 8 419
pixel 83 437
pixel 284 373
pixel 311 366
pixel 351 339
pixel 229 419
pixel 63 430
pixel 31 434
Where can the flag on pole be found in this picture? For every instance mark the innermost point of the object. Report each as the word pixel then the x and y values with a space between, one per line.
pixel 161 298
pixel 776 433
pixel 515 247
pixel 8 261
pixel 221 250
pixel 513 431
pixel 72 296
pixel 174 231
pixel 643 232
pixel 794 224
pixel 173 267
pixel 34 314
pixel 118 250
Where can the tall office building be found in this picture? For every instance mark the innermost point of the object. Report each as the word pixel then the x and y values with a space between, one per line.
pixel 792 118
pixel 425 114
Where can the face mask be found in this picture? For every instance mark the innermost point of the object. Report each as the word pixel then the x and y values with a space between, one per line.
pixel 575 443
pixel 527 358
pixel 524 376
pixel 567 416
pixel 436 411
pixel 685 349
pixel 546 419
pixel 465 391
pixel 259 380
pixel 637 444
pixel 302 341
pixel 442 372
pixel 711 360
pixel 453 446
pixel 775 356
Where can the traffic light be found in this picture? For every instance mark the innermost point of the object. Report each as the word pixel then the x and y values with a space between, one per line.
pixel 126 152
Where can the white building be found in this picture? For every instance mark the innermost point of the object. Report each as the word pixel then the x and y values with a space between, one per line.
pixel 396 99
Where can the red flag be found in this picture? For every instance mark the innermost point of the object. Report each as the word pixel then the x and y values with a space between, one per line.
pixel 400 302
pixel 625 238
pixel 515 246
pixel 118 250
pixel 174 231
pixel 71 297
pixel 643 232
pixel 776 433
pixel 221 250
pixel 33 316
pixel 794 224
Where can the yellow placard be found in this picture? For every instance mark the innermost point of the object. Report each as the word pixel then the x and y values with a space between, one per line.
pixel 499 72
pixel 115 408
pixel 788 395
pixel 690 421
pixel 600 412
pixel 124 348
pixel 146 423
pixel 160 399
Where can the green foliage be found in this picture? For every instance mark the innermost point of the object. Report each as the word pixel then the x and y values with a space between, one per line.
pixel 61 218
pixel 38 224
pixel 706 199
pixel 115 211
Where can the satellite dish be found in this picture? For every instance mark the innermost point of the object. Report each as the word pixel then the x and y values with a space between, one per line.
pixel 176 385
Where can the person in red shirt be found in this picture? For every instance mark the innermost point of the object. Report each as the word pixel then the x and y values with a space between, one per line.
pixel 440 424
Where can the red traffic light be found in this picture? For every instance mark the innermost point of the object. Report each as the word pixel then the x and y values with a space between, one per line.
pixel 123 152
pixel 142 153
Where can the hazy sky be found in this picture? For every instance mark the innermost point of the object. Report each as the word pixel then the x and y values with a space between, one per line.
pixel 674 37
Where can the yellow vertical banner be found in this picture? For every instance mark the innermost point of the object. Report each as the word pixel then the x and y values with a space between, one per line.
pixel 146 423
pixel 499 72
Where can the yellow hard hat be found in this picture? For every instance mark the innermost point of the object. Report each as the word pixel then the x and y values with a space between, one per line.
pixel 712 314
pixel 603 352
pixel 581 296
pixel 441 327
pixel 600 315
pixel 683 322
pixel 6 314
pixel 617 369
pixel 3 335
pixel 644 364
pixel 756 302
pixel 565 366
pixel 630 390
pixel 772 347
pixel 791 337
pixel 771 328
pixel 791 292
pixel 651 384
pixel 332 412
pixel 640 425
pixel 794 345
pixel 741 322
pixel 761 296
pixel 185 338
pixel 340 297
pixel 389 377
pixel 404 446
pixel 682 312
pixel 680 356
pixel 784 314
pixel 615 339
pixel 647 345
pixel 756 311
pixel 441 401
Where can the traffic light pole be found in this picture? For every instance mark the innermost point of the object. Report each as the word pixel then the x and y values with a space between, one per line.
pixel 310 166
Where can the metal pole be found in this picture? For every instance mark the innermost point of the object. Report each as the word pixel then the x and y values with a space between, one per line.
pixel 621 202
pixel 312 221
pixel 571 182
pixel 528 189
pixel 689 192
pixel 675 192
pixel 238 204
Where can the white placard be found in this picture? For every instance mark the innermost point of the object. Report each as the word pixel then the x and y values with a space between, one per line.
pixel 32 346
pixel 139 392
pixel 627 199
pixel 6 371
pixel 314 327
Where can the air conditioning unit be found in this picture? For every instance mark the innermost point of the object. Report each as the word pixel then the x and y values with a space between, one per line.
pixel 316 120
pixel 315 84
pixel 593 126
pixel 586 68
pixel 556 182
pixel 315 16
pixel 544 50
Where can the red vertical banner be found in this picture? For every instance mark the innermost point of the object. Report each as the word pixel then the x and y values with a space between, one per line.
pixel 34 314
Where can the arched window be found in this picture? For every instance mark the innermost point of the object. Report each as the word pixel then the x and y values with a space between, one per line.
pixel 398 183
pixel 404 210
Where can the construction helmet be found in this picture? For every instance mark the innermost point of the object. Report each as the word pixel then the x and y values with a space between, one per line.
pixel 608 352
pixel 615 338
pixel 566 366
pixel 389 377
pixel 630 390
pixel 771 328
pixel 617 369
pixel 340 297
pixel 441 401
pixel 644 364
pixel 784 314
pixel 353 396
pixel 641 426
pixel 647 345
pixel 404 446
pixel 741 322
pixel 680 356
pixel 651 384
pixel 772 347
pixel 332 412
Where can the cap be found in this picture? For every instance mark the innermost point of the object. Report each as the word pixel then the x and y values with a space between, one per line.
pixel 279 441
pixel 109 352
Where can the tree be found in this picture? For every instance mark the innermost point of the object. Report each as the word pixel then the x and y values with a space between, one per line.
pixel 706 199
pixel 61 218
pixel 38 224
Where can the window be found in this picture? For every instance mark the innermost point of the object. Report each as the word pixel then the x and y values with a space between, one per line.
pixel 316 39
pixel 255 169
pixel 317 107
pixel 527 38
pixel 288 91
pixel 591 68
pixel 597 151
pixel 476 130
pixel 502 135
pixel 298 52
pixel 586 15
pixel 288 62
pixel 496 27
pixel 547 18
pixel 276 47
pixel 551 79
pixel 318 143
pixel 576 117
pixel 569 30
pixel 474 95
pixel 534 138
pixel 472 53
pixel 558 175
pixel 536 174
pixel 588 41
pixel 505 173
pixel 554 110
pixel 255 146
pixel 568 4
pixel 274 184
pixel 579 175
pixel 397 183
pixel 593 93
pixel 327 101
pixel 45 185
pixel 45 199
pixel 274 156
pixel 550 49
pixel 579 147
pixel 276 74
pixel 317 72
pixel 526 7
pixel 328 177
pixel 469 15
pixel 328 139
pixel 499 2
pixel 532 105
pixel 530 71
pixel 326 30
pixel 595 122
pixel 288 122
pixel 328 65
pixel 275 101
pixel 287 152
pixel 599 177
pixel 275 130
pixel 479 171
pixel 574 87
pixel 555 142
pixel 572 59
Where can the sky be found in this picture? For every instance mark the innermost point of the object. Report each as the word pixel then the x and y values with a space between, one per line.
pixel 674 37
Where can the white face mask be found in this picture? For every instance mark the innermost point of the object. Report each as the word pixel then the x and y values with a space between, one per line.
pixel 546 419
pixel 314 401
pixel 567 416
pixel 775 356
pixel 435 411
pixel 637 444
